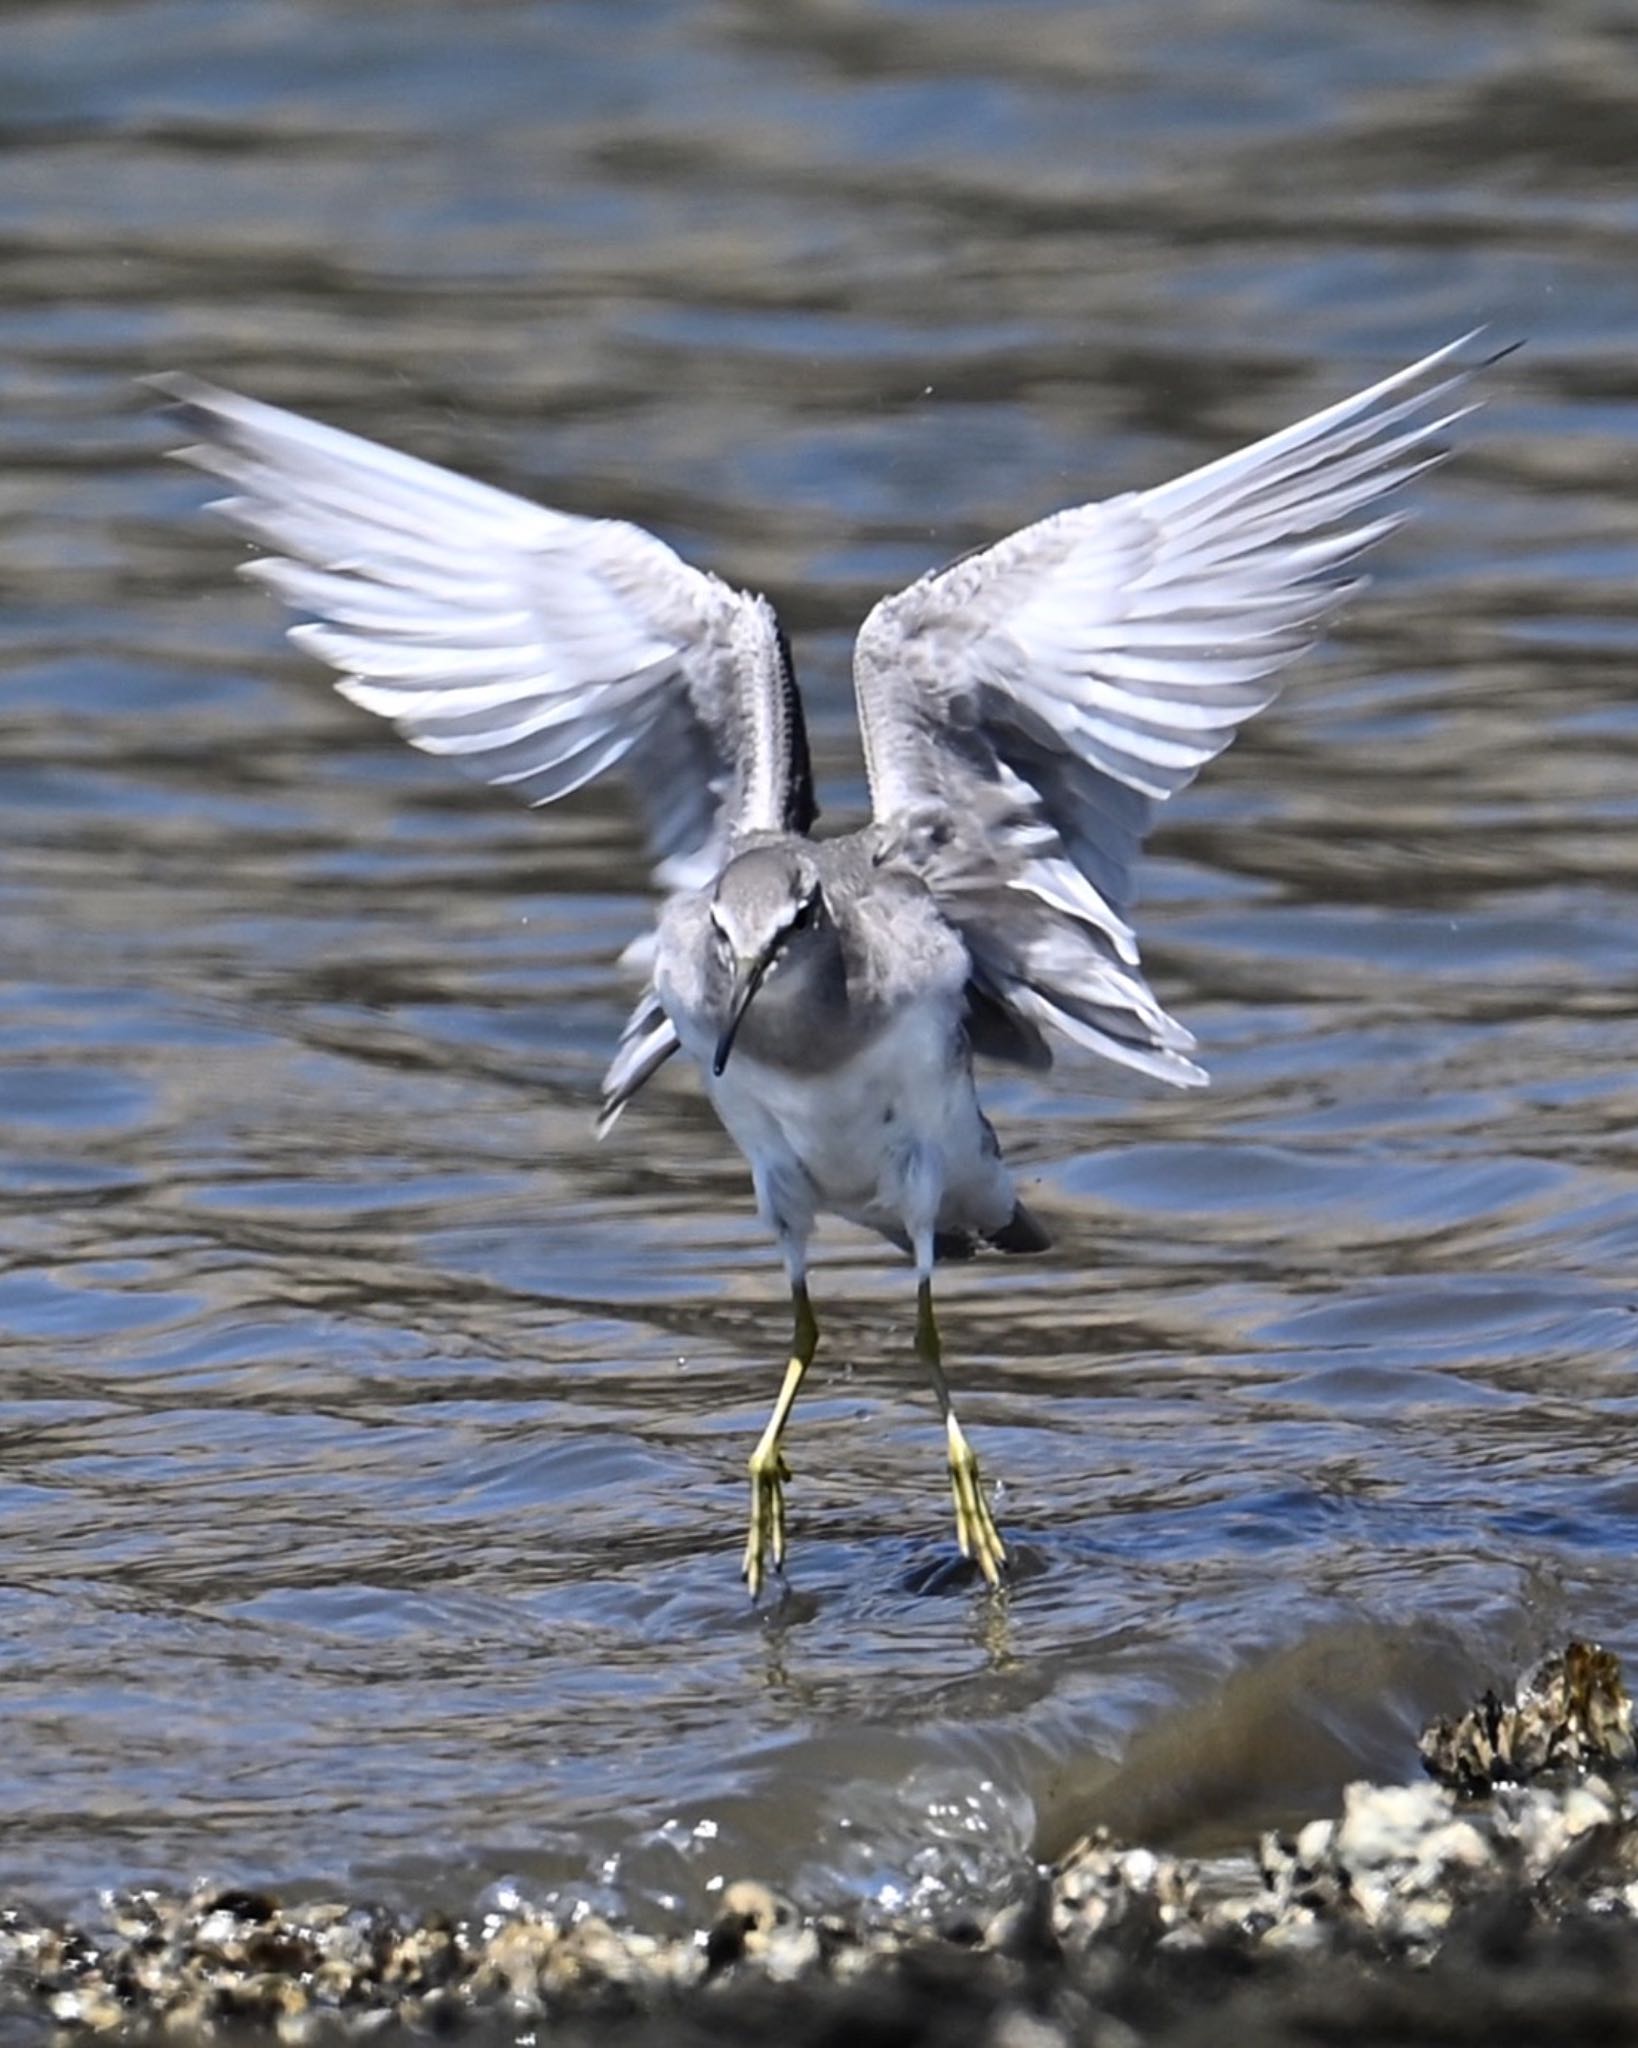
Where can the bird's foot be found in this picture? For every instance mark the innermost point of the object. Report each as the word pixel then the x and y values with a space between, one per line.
pixel 765 1543
pixel 976 1532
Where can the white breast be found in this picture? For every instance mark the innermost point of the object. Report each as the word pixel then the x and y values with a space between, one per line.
pixel 891 1133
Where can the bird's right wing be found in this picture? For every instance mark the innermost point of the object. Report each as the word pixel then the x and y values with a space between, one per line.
pixel 1026 709
pixel 531 647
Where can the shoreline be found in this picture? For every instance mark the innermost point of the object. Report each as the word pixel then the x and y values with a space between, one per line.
pixel 1496 1898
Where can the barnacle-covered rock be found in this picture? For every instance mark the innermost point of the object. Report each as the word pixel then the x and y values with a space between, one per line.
pixel 1105 1892
pixel 757 1927
pixel 1571 1713
pixel 1398 1862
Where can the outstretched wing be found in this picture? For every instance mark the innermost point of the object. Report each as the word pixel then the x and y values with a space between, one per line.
pixel 530 647
pixel 1025 709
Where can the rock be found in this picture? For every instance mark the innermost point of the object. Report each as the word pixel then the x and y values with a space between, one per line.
pixel 1570 1713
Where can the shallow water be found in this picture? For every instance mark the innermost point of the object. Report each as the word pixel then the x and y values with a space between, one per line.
pixel 371 1470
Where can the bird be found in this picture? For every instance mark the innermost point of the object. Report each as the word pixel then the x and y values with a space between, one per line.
pixel 1025 712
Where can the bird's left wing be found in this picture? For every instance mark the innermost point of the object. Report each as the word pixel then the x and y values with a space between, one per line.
pixel 1026 709
pixel 531 647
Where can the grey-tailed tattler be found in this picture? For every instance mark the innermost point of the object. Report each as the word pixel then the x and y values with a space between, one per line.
pixel 1024 712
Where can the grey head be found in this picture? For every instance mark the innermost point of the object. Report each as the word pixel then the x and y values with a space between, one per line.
pixel 774 944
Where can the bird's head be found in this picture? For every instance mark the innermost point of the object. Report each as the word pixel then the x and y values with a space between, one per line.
pixel 768 918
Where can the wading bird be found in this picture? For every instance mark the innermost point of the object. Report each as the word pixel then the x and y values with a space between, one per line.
pixel 1023 712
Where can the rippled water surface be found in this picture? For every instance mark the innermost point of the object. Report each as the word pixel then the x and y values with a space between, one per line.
pixel 372 1444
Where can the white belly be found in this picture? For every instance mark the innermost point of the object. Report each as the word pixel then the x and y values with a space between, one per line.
pixel 893 1137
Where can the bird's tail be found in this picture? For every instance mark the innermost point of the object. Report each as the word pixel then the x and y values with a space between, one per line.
pixel 1021 1233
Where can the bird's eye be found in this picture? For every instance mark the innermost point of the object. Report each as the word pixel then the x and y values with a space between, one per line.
pixel 803 916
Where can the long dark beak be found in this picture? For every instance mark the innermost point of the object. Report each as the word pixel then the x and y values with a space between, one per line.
pixel 750 980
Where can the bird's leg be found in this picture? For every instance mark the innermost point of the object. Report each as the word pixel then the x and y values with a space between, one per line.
pixel 975 1525
pixel 766 1540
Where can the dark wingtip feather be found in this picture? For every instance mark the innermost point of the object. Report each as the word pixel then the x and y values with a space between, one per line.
pixel 801 805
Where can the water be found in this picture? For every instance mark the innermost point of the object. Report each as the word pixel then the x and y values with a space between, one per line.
pixel 371 1481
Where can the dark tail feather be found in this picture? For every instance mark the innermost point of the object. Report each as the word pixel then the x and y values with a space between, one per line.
pixel 1021 1233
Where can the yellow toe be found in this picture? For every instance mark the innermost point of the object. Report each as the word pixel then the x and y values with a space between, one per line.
pixel 975 1525
pixel 765 1540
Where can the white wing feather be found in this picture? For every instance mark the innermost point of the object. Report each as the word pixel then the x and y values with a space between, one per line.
pixel 532 647
pixel 1025 709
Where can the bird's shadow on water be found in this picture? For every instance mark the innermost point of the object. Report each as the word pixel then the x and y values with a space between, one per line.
pixel 952 1573
pixel 792 1599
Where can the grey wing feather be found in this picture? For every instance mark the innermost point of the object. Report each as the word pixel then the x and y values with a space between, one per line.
pixel 531 647
pixel 1027 708
pixel 646 1043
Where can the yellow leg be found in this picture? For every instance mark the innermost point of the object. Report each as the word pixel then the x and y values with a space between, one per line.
pixel 766 1541
pixel 975 1525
